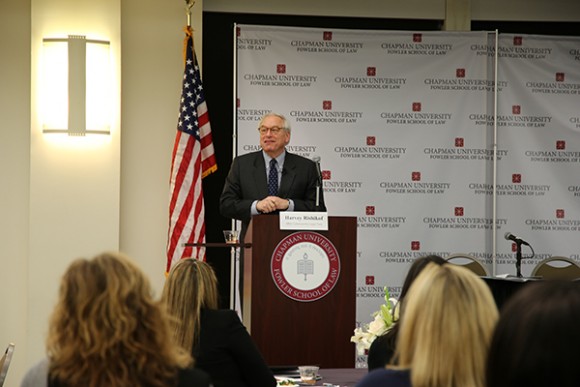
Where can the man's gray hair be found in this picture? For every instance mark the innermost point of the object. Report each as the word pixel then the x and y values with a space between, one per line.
pixel 285 122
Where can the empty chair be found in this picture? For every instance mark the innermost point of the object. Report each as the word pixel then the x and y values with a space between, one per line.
pixel 5 363
pixel 557 268
pixel 469 262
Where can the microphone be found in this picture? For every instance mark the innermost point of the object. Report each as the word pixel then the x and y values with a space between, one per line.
pixel 316 160
pixel 511 237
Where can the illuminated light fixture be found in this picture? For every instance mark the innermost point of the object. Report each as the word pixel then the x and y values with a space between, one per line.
pixel 76 86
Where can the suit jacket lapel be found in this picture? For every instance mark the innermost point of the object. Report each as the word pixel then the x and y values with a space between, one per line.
pixel 288 175
pixel 259 175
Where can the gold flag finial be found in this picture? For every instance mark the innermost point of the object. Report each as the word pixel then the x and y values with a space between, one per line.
pixel 188 6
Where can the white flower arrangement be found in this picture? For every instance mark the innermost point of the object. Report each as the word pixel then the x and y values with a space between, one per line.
pixel 382 322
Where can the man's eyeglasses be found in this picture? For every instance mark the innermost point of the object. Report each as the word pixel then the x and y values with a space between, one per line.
pixel 273 129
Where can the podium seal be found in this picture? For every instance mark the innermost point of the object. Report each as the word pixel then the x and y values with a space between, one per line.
pixel 305 266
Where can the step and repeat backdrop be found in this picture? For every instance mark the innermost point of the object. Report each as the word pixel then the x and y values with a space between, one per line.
pixel 406 125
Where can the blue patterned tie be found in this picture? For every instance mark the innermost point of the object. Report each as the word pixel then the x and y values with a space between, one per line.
pixel 273 178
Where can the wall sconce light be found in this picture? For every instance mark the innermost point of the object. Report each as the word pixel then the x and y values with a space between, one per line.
pixel 76 86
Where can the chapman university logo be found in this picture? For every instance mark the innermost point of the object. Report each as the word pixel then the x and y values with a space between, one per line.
pixel 513 120
pixel 369 151
pixel 416 46
pixel 251 44
pixel 460 221
pixel 518 50
pixel 415 186
pixel 416 116
pixel 406 256
pixel 557 155
pixel 556 223
pixel 305 266
pixel 372 220
pixel 517 188
pixel 462 82
pixel 503 258
pixel 557 86
pixel 302 150
pixel 515 50
pixel 280 78
pixel 254 115
pixel 327 45
pixel 340 187
pixel 326 115
pixel 370 290
pixel 459 151
pixel 370 81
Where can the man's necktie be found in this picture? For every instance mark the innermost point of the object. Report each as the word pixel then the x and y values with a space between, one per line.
pixel 273 178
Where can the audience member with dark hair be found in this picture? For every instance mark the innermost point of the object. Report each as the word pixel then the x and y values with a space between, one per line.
pixel 383 347
pixel 536 341
pixel 219 342
pixel 106 330
pixel 446 326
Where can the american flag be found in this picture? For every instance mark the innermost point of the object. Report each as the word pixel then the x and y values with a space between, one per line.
pixel 193 158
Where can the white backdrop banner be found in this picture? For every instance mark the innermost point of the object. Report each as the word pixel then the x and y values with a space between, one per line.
pixel 404 125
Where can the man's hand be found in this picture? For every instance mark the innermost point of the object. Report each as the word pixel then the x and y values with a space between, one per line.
pixel 271 204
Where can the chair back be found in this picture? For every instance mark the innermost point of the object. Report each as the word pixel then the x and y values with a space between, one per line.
pixel 469 262
pixel 5 363
pixel 557 268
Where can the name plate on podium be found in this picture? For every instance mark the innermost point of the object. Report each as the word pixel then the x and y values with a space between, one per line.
pixel 303 220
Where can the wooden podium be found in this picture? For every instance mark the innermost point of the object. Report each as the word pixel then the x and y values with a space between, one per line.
pixel 291 332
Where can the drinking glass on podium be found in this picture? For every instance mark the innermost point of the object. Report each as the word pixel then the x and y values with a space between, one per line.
pixel 231 236
pixel 308 374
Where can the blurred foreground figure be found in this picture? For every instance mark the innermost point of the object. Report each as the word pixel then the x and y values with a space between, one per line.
pixel 537 338
pixel 106 330
pixel 447 321
pixel 217 339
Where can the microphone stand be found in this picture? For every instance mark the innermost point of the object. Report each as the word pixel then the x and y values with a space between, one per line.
pixel 518 258
pixel 318 183
pixel 317 194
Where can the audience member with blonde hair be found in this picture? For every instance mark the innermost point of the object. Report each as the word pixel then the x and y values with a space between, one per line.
pixel 107 330
pixel 536 340
pixel 217 339
pixel 446 326
pixel 382 349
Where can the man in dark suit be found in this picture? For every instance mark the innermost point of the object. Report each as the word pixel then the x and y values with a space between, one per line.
pixel 270 180
pixel 246 191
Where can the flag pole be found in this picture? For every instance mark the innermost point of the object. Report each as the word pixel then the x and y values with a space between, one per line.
pixel 188 7
pixel 193 158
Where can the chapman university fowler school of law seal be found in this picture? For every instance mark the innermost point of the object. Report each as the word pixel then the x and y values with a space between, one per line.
pixel 305 266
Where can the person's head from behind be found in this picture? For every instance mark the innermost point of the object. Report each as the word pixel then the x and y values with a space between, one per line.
pixel 106 329
pixel 536 340
pixel 448 319
pixel 190 287
pixel 416 267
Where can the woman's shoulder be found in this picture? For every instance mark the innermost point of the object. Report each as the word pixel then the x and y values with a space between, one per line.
pixel 219 314
pixel 395 378
pixel 219 320
pixel 37 375
pixel 194 377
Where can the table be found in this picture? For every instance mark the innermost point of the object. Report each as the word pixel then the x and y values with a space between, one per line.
pixel 343 377
pixel 503 288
